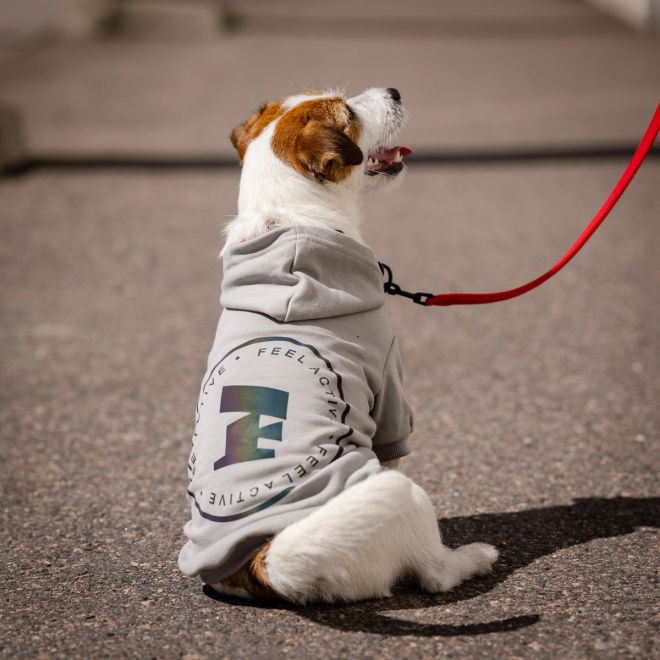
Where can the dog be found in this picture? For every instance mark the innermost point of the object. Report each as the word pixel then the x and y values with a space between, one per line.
pixel 301 418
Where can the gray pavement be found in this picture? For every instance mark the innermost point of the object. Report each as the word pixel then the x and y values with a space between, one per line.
pixel 537 420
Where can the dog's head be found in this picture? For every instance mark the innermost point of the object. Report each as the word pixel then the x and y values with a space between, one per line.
pixel 329 138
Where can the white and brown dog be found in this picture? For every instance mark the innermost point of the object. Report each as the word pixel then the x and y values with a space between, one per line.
pixel 307 506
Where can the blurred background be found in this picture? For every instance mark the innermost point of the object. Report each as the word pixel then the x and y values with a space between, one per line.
pixel 540 414
pixel 168 77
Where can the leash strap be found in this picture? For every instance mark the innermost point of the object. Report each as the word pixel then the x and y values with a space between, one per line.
pixel 446 299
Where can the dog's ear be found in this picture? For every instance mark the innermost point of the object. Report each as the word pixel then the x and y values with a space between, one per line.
pixel 244 133
pixel 316 147
pixel 327 152
pixel 239 139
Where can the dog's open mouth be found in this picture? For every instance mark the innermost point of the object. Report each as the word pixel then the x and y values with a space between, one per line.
pixel 386 160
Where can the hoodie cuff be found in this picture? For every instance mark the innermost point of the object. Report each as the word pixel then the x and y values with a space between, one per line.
pixel 392 450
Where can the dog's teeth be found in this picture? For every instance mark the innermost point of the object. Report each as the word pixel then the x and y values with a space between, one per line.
pixel 397 157
pixel 371 162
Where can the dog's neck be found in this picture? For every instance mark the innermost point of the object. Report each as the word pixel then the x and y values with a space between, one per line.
pixel 272 194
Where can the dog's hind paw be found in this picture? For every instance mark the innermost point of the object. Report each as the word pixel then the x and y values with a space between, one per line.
pixel 483 555
pixel 459 565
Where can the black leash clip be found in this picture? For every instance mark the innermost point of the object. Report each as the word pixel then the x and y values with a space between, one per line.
pixel 394 289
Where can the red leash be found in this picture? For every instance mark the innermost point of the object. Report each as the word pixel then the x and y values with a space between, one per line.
pixel 446 299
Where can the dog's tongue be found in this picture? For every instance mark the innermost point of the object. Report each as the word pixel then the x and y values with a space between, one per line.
pixel 388 155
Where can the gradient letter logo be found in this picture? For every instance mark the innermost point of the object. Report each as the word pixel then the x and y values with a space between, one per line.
pixel 243 434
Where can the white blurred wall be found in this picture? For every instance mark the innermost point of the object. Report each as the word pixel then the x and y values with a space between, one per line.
pixel 641 14
pixel 82 18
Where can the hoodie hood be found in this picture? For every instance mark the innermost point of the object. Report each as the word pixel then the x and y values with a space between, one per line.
pixel 300 274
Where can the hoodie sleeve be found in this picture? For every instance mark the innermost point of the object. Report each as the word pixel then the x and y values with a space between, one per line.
pixel 392 411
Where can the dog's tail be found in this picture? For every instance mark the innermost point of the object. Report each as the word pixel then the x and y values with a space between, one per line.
pixel 332 554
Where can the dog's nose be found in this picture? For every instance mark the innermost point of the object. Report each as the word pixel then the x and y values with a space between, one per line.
pixel 394 93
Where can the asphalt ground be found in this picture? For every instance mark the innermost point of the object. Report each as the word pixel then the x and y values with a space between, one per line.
pixel 537 420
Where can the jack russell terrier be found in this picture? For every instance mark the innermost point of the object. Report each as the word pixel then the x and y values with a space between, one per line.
pixel 301 416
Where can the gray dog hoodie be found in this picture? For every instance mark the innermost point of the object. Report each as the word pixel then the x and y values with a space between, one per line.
pixel 302 397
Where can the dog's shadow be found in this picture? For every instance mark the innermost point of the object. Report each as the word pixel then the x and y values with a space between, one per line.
pixel 521 537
